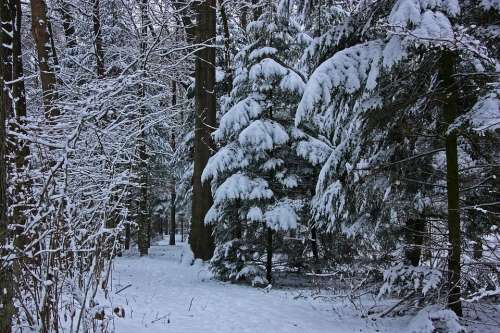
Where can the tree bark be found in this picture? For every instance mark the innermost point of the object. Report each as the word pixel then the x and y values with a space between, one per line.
pixel 167 224
pixel 269 259
pixel 68 24
pixel 314 245
pixel 181 218
pixel 244 17
pixel 183 7
pixel 52 45
pixel 173 194
pixel 21 147
pixel 143 221
pixel 238 228
pixel 227 48
pixel 414 233
pixel 40 31
pixel 6 274
pixel 143 232
pixel 99 52
pixel 201 239
pixel 6 48
pixel 127 236
pixel 450 106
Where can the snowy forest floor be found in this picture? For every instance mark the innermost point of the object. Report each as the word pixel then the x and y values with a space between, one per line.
pixel 165 293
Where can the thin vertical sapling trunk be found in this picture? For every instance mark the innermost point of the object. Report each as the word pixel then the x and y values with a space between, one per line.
pixel 269 257
pixel 173 194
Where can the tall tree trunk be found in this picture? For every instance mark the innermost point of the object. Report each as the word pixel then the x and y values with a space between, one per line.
pixel 414 234
pixel 40 31
pixel 227 48
pixel 450 106
pixel 167 224
pixel 181 220
pixel 99 52
pixel 52 45
pixel 201 239
pixel 127 236
pixel 148 225
pixel 269 259
pixel 244 17
pixel 21 147
pixel 173 194
pixel 6 275
pixel 143 221
pixel 68 24
pixel 183 7
pixel 314 246
pixel 495 210
pixel 238 224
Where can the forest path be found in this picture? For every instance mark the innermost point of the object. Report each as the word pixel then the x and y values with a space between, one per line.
pixel 167 294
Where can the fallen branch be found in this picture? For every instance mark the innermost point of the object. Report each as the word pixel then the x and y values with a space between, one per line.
pixel 190 304
pixel 162 317
pixel 397 304
pixel 127 286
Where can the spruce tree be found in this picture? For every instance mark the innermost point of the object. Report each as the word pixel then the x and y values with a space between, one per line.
pixel 255 172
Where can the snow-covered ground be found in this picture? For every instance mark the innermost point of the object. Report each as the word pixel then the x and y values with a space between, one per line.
pixel 167 294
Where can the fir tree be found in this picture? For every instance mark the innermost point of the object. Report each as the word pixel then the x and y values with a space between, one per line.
pixel 255 173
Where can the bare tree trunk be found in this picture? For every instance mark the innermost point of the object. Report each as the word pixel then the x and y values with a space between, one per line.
pixel 68 24
pixel 495 210
pixel 238 228
pixel 447 70
pixel 149 230
pixel 40 31
pixel 182 227
pixel 414 232
pixel 21 147
pixel 99 52
pixel 227 48
pixel 314 245
pixel 244 17
pixel 53 45
pixel 6 274
pixel 160 226
pixel 201 239
pixel 167 225
pixel 183 7
pixel 127 236
pixel 269 259
pixel 143 233
pixel 173 194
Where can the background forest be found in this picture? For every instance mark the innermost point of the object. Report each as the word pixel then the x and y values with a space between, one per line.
pixel 351 144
